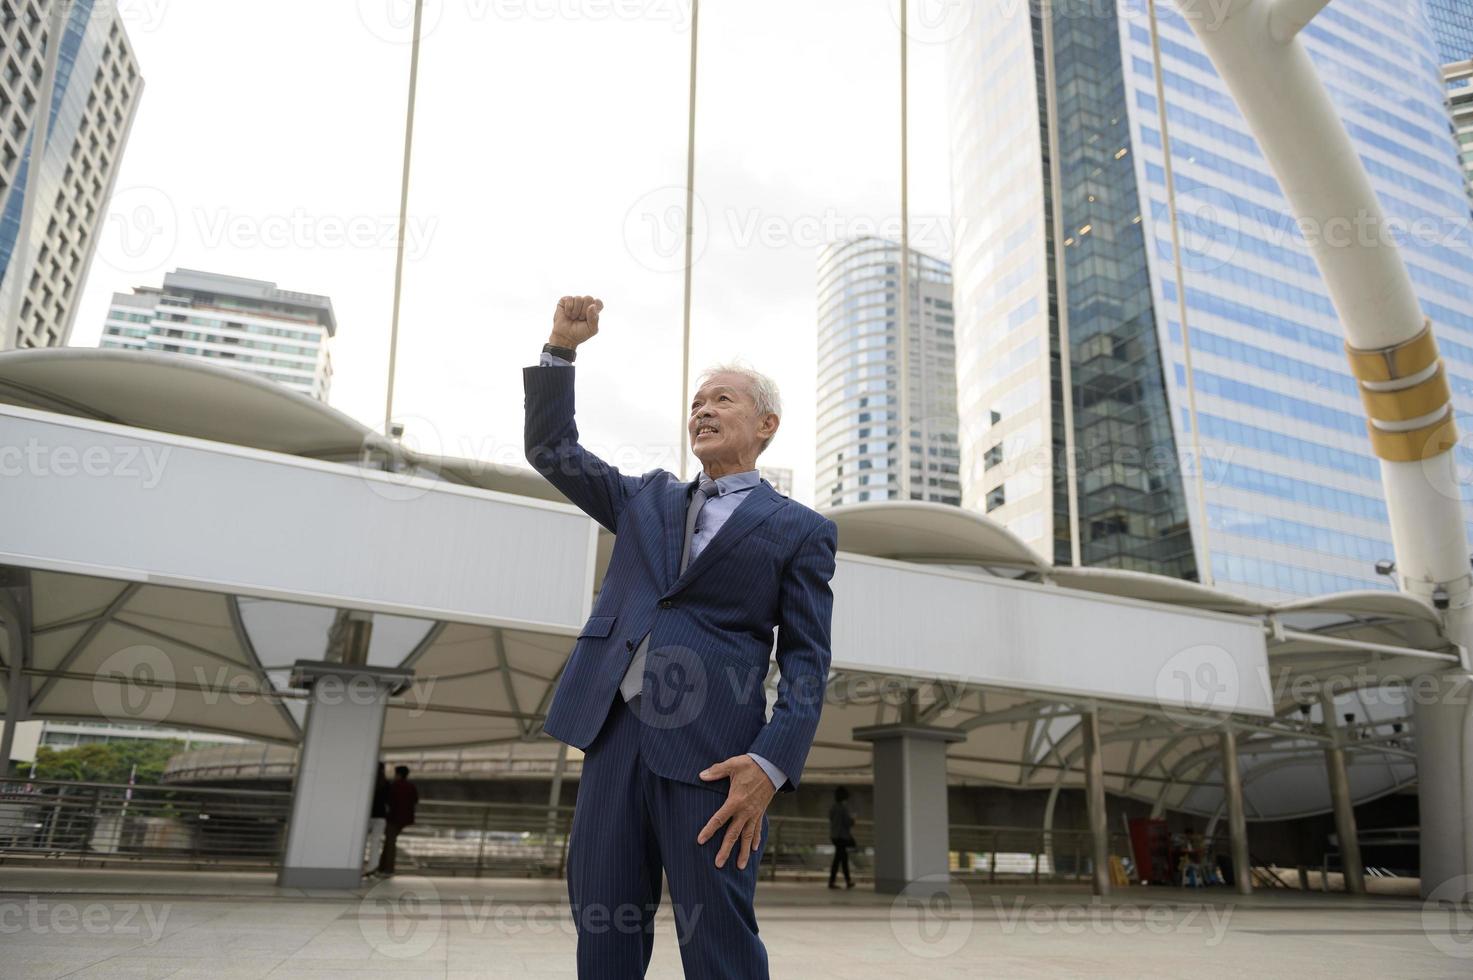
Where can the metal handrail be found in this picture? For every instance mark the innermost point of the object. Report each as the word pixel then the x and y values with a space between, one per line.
pixel 189 826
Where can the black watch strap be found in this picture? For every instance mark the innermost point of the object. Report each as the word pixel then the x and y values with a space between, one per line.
pixel 566 353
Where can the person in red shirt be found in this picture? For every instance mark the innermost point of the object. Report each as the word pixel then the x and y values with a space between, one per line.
pixel 403 798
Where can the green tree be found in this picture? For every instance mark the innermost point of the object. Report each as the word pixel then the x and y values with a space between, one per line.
pixel 108 762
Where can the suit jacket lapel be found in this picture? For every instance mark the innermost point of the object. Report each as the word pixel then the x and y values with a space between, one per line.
pixel 677 505
pixel 757 504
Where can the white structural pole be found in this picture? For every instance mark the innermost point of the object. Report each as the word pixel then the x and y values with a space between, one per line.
pixel 903 340
pixel 1392 351
pixel 419 11
pixel 682 453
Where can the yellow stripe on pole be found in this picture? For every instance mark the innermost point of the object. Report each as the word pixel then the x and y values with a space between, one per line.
pixel 1398 361
pixel 1412 402
pixel 1414 445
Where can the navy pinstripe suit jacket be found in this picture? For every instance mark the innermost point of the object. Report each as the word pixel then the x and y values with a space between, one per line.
pixel 768 566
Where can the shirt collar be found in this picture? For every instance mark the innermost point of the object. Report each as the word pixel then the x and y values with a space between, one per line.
pixel 734 482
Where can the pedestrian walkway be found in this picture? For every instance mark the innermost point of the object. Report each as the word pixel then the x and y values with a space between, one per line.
pixel 119 924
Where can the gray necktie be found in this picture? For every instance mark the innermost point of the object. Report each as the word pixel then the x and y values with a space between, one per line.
pixel 633 681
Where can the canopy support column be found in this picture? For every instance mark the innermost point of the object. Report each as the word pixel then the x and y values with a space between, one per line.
pixel 911 820
pixel 336 772
pixel 1232 791
pixel 1094 792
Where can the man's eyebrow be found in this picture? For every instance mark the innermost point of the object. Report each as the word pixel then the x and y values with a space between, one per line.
pixel 713 391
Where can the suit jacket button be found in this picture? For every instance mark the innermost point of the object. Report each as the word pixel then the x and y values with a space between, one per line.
pixel 666 604
pixel 629 644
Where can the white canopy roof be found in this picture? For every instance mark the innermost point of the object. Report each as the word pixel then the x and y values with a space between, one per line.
pixel 218 662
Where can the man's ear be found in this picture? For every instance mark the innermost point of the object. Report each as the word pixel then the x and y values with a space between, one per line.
pixel 776 421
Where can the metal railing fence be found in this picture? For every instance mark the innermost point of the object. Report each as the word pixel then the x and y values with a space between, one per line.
pixel 79 823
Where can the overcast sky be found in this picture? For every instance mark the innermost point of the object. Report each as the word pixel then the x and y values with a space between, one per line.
pixel 549 159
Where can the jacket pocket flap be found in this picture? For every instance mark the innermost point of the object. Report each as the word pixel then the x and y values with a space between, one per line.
pixel 597 626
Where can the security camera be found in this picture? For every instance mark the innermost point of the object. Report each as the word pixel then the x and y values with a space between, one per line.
pixel 396 430
pixel 1385 566
pixel 1439 598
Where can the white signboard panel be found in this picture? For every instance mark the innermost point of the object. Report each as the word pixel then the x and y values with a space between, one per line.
pixel 908 619
pixel 121 502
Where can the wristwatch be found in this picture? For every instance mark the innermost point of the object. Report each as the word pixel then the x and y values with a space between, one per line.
pixel 566 353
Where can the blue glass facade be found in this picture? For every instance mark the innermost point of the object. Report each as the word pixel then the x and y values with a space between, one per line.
pixel 1452 29
pixel 1257 430
pixel 1293 495
pixel 1130 499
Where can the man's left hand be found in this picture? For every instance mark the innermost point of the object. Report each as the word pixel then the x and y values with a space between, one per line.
pixel 746 802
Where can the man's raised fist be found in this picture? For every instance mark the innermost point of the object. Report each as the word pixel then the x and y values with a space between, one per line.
pixel 575 320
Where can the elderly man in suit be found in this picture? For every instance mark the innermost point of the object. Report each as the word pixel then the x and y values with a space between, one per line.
pixel 665 688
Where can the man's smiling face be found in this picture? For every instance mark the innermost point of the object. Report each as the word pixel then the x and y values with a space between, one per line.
pixel 726 431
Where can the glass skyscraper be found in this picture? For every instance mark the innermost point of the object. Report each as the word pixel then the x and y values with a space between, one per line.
pixel 1452 29
pixel 1182 352
pixel 93 101
pixel 858 436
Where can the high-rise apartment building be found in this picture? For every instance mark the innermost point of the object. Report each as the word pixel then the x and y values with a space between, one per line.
pixel 1180 349
pixel 46 245
pixel 858 434
pixel 245 324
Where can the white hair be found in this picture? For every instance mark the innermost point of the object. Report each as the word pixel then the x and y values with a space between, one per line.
pixel 762 389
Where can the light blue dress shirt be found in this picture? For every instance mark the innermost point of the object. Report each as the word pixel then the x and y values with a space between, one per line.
pixel 730 491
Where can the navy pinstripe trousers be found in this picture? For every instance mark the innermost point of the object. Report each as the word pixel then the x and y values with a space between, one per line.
pixel 629 825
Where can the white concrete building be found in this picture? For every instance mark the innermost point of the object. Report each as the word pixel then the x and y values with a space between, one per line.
pixel 242 323
pixel 53 197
